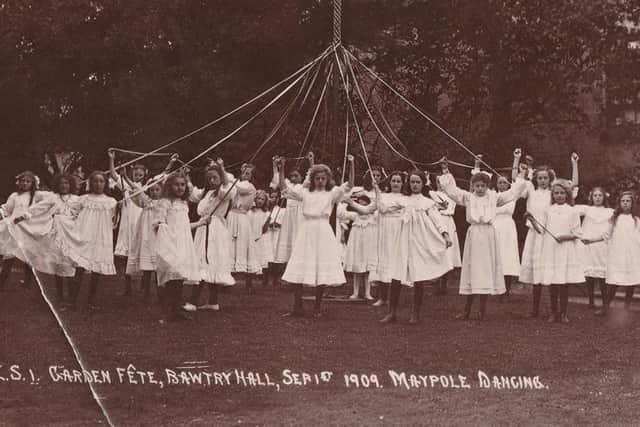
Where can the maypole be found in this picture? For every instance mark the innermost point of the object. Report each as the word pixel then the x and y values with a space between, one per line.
pixel 334 140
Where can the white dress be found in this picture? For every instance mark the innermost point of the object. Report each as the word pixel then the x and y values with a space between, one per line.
pixel 390 213
pixel 259 245
pixel 240 226
pixel 595 223
pixel 176 255
pixel 421 249
pixel 15 206
pixel 561 263
pixel 538 201
pixel 315 259
pixel 90 242
pixel 363 238
pixel 290 222
pixel 142 252
pixel 37 234
pixel 453 252
pixel 215 257
pixel 507 236
pixel 623 268
pixel 276 217
pixel 129 215
pixel 481 271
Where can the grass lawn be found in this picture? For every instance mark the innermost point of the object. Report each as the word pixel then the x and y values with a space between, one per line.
pixel 589 369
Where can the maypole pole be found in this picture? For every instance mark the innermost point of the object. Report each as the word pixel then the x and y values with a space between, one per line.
pixel 334 139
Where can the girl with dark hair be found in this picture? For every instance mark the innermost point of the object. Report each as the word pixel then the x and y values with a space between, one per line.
pixel 481 272
pixel 420 248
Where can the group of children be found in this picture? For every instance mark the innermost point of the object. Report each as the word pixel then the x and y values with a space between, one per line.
pixel 394 231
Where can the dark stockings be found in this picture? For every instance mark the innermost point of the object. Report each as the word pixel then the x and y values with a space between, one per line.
pixel 394 299
pixel 537 295
pixel 469 304
pixel 7 266
pixel 559 298
pixel 418 296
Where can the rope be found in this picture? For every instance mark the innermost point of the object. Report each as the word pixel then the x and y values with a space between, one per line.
pixel 122 150
pixel 346 148
pixel 545 229
pixel 373 120
pixel 353 113
pixel 279 123
pixel 232 133
pixel 337 22
pixel 251 101
pixel 419 111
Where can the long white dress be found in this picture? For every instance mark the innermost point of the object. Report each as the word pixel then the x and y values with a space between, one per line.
pixel 421 249
pixel 15 206
pixel 215 256
pixel 240 226
pixel 90 242
pixel 276 218
pixel 507 236
pixel 561 263
pixel 52 215
pixel 595 223
pixel 453 252
pixel 259 245
pixel 315 259
pixel 623 268
pixel 538 201
pixel 129 216
pixel 176 254
pixel 481 271
pixel 290 222
pixel 142 252
pixel 390 213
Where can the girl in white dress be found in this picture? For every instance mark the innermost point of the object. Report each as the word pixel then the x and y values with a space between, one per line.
pixel 447 208
pixel 374 176
pixel 176 256
pixel 507 237
pixel 38 227
pixel 259 245
pixel 362 237
pixel 561 257
pixel 142 253
pixel 90 242
pixel 390 212
pixel 16 205
pixel 595 223
pixel 130 211
pixel 623 240
pixel 421 248
pixel 481 272
pixel 293 212
pixel 277 214
pixel 213 242
pixel 239 224
pixel 315 260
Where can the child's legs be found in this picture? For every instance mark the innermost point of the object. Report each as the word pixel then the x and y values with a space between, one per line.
pixel 628 295
pixel 146 282
pixel 418 297
pixel 29 278
pixel 297 298
pixel 394 297
pixel 537 295
pixel 467 306
pixel 319 293
pixel 591 289
pixel 602 285
pixel 7 265
pixel 383 291
pixel 93 288
pixel 59 287
pixel 554 293
pixel 564 298
pixel 196 290
pixel 213 293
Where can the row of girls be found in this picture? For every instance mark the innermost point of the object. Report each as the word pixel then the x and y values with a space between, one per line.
pixel 403 236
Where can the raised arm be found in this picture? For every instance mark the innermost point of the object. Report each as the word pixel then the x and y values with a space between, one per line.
pixel 174 158
pixel 448 184
pixel 352 171
pixel 225 176
pixel 112 166
pixel 275 179
pixel 516 190
pixel 574 169
pixel 517 154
